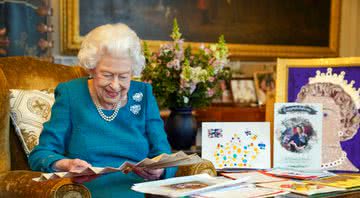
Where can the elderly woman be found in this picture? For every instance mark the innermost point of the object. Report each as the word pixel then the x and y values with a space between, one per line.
pixel 106 119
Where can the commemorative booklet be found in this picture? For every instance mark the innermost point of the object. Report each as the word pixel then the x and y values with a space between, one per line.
pixel 187 185
pixel 302 188
pixel 161 161
pixel 349 181
pixel 298 136
pixel 236 145
pixel 299 174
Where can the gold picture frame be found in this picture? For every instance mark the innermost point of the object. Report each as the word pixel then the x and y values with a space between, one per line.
pixel 71 38
pixel 292 85
pixel 283 66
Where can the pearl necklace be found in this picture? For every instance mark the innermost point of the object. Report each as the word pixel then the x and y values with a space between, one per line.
pixel 105 117
pixel 336 162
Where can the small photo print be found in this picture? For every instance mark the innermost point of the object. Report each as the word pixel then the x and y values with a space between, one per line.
pixel 215 133
pixel 192 185
pixel 297 134
pixel 264 83
pixel 243 91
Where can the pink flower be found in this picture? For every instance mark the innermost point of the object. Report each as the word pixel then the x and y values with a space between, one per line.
pixel 211 61
pixel 183 84
pixel 174 64
pixel 210 92
pixel 207 51
pixel 179 55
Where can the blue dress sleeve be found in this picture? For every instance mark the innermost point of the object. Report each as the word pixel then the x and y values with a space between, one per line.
pixel 155 130
pixel 53 138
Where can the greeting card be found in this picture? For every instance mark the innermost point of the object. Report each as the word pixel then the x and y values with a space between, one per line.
pixel 236 144
pixel 297 135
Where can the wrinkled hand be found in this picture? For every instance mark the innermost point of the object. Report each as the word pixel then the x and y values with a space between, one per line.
pixel 72 165
pixel 148 174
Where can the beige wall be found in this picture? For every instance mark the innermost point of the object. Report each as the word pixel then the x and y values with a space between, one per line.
pixel 349 30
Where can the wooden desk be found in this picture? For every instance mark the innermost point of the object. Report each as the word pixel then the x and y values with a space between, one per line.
pixel 226 114
pixel 230 114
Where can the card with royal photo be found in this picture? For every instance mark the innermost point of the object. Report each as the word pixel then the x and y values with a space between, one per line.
pixel 298 135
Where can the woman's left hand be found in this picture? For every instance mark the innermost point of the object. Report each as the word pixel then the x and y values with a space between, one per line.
pixel 148 174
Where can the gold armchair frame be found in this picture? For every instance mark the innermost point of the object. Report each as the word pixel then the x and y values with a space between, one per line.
pixel 71 38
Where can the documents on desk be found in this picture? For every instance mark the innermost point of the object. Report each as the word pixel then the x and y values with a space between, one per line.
pixel 254 177
pixel 249 185
pixel 186 186
pixel 243 192
pixel 161 161
pixel 302 188
pixel 347 181
pixel 299 174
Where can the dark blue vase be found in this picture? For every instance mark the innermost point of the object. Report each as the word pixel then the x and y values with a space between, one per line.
pixel 181 128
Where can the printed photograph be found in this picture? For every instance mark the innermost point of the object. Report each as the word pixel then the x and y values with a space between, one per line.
pixel 264 83
pixel 297 134
pixel 243 91
pixel 192 185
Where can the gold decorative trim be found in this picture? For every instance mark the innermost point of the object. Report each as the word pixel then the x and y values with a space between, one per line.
pixel 283 66
pixel 71 39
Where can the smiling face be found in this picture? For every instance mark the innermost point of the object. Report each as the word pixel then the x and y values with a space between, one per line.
pixel 111 80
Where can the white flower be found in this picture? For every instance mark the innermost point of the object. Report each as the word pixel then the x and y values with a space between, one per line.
pixel 213 47
pixel 138 97
pixel 135 109
pixel 186 99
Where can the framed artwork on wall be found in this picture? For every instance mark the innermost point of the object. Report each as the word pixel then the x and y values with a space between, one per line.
pixel 335 83
pixel 264 83
pixel 251 28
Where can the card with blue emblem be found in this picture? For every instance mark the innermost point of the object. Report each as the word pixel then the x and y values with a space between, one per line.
pixel 236 145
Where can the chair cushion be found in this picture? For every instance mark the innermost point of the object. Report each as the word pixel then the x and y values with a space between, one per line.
pixel 29 109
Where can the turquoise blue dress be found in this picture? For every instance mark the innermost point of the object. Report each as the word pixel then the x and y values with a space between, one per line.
pixel 76 130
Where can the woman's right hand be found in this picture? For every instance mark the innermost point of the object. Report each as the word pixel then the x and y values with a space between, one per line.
pixel 73 165
pixel 70 164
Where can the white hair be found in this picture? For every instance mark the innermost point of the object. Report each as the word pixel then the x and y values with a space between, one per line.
pixel 117 40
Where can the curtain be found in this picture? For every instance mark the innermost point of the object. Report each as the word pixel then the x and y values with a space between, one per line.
pixel 21 18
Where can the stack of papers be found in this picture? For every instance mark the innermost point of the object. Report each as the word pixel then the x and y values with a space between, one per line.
pixel 160 161
pixel 243 191
pixel 299 174
pixel 165 160
pixel 341 181
pixel 254 177
pixel 301 188
pixel 185 186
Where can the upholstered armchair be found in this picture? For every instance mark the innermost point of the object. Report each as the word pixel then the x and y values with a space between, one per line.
pixel 15 175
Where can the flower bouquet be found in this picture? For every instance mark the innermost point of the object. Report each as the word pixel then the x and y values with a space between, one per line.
pixel 181 78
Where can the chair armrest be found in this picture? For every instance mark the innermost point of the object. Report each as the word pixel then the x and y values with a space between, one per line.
pixel 20 184
pixel 203 167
